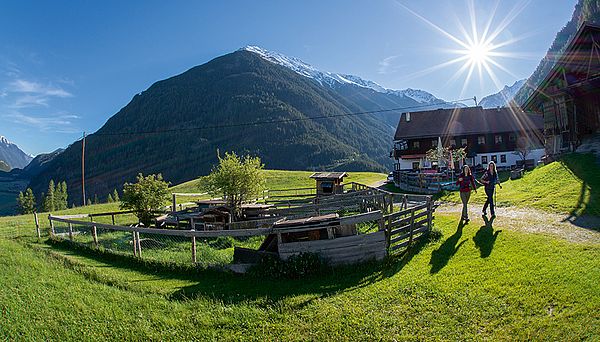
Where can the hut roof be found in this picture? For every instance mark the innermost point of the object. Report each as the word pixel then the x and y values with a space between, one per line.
pixel 328 175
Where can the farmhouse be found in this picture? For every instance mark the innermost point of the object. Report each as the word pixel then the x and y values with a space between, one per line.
pixel 569 96
pixel 486 134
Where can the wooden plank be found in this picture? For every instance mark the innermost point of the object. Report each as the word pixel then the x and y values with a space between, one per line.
pixel 407 219
pixel 340 242
pixel 419 229
pixel 95 236
pixel 366 217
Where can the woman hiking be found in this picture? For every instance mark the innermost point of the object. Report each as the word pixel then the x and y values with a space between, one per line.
pixel 489 180
pixel 466 183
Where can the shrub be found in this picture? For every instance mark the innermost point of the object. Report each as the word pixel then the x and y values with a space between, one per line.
pixel 295 267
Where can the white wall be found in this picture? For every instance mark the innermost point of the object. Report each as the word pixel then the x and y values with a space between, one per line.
pixel 511 157
pixel 406 164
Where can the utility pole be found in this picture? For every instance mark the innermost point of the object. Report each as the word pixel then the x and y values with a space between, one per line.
pixel 83 168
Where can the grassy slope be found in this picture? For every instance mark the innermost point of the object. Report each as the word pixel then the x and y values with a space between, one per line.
pixel 526 287
pixel 280 179
pixel 571 185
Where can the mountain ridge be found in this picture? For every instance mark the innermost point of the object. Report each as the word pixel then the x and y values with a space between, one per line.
pixel 12 155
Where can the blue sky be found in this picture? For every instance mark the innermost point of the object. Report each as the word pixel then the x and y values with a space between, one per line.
pixel 66 67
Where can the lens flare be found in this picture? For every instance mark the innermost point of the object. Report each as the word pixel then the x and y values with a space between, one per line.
pixel 478 50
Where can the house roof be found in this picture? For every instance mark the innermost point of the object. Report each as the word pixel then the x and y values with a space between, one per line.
pixel 466 121
pixel 328 175
pixel 571 56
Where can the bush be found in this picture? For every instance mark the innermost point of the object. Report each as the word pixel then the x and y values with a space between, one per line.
pixel 295 267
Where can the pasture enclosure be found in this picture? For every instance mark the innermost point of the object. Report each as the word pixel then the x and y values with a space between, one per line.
pixel 360 224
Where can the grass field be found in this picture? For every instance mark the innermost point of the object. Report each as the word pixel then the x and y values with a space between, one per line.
pixel 571 185
pixel 281 179
pixel 475 283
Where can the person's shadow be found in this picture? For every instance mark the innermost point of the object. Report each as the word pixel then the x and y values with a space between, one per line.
pixel 441 256
pixel 486 237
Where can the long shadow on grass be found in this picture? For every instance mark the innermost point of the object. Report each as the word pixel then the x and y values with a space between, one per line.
pixel 584 167
pixel 441 256
pixel 231 289
pixel 485 238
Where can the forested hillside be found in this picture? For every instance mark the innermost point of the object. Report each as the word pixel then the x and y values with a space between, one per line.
pixel 177 126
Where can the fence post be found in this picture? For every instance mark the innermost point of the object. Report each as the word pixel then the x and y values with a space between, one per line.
pixel 113 218
pixel 193 241
pixel 139 244
pixel 404 202
pixel 51 225
pixel 134 243
pixel 174 203
pixel 95 236
pixel 412 226
pixel 70 231
pixel 37 225
pixel 429 213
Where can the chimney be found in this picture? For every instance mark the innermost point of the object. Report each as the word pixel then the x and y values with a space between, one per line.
pixel 407 116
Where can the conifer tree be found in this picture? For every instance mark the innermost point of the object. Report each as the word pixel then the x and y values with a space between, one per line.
pixel 109 199
pixel 49 200
pixel 115 196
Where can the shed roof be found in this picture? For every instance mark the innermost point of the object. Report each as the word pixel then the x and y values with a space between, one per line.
pixel 466 121
pixel 329 175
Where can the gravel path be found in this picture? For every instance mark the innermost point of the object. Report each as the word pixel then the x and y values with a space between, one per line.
pixel 535 221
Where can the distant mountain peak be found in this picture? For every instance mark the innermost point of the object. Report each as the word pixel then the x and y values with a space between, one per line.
pixel 503 97
pixel 330 79
pixel 12 155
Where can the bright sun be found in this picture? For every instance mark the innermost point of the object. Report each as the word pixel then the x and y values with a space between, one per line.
pixel 478 53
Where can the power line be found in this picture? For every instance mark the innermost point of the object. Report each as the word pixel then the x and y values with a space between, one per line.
pixel 243 124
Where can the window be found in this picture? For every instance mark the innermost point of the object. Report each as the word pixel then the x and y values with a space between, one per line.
pixel 416 144
pixel 503 158
pixel 457 143
pixel 434 143
pixel 463 142
pixel 415 165
pixel 481 139
pixel 495 158
pixel 498 139
pixel 483 159
pixel 512 137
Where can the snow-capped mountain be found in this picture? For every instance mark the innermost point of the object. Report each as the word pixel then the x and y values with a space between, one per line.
pixel 12 155
pixel 503 97
pixel 334 80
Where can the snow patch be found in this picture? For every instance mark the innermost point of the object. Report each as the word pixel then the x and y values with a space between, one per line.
pixel 335 80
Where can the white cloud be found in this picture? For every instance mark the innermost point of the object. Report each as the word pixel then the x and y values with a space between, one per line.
pixel 24 86
pixel 60 122
pixel 387 65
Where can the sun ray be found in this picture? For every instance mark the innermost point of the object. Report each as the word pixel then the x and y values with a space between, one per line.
pixel 437 28
pixel 510 17
pixel 435 68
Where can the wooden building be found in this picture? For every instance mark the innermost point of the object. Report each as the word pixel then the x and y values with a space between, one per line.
pixel 329 183
pixel 487 134
pixel 569 95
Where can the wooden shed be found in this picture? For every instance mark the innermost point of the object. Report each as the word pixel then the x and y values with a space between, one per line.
pixel 329 183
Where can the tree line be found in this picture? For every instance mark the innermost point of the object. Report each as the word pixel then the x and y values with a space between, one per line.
pixel 55 198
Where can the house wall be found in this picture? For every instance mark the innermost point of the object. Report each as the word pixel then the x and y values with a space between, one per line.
pixel 511 157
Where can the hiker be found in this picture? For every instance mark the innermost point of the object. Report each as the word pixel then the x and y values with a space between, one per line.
pixel 489 180
pixel 466 183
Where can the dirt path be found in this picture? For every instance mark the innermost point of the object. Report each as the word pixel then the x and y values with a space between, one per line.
pixel 535 221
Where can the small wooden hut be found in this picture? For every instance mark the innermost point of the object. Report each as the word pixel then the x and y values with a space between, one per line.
pixel 329 183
